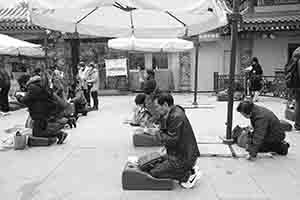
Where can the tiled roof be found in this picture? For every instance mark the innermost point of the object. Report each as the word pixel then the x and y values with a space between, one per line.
pixel 13 15
pixel 275 22
pixel 16 19
pixel 271 19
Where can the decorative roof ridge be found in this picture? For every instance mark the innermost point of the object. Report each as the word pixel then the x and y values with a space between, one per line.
pixel 275 14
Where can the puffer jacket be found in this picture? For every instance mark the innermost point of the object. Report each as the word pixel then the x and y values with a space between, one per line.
pixel 37 99
pixel 93 79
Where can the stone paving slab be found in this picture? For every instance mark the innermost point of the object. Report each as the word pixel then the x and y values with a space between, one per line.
pixel 102 143
pixel 214 150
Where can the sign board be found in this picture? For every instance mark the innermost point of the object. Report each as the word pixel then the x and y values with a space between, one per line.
pixel 116 67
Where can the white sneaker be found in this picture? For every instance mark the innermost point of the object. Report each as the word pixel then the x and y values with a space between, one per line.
pixel 192 179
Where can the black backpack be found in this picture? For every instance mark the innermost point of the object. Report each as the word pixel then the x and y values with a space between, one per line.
pixel 292 79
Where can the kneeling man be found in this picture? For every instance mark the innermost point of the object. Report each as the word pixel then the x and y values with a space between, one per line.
pixel 267 135
pixel 179 140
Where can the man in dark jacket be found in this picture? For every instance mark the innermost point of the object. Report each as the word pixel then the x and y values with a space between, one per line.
pixel 4 89
pixel 179 140
pixel 38 99
pixel 296 90
pixel 267 135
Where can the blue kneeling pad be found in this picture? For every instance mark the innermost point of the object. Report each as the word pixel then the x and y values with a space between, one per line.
pixel 135 179
pixel 142 139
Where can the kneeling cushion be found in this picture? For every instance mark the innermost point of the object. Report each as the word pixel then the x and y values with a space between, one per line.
pixel 135 179
pixel 38 141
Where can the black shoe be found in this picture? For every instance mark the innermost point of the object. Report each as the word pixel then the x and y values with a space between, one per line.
pixel 284 148
pixel 95 108
pixel 62 137
pixel 84 113
pixel 52 140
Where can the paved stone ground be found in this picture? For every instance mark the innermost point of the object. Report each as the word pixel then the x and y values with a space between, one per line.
pixel 90 164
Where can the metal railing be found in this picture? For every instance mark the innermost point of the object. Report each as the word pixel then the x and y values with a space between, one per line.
pixel 271 85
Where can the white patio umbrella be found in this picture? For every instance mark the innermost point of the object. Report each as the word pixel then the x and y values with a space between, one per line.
pixel 150 45
pixel 15 47
pixel 123 21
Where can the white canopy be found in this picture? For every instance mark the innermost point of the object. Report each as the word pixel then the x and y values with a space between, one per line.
pixel 150 45
pixel 111 21
pixel 15 47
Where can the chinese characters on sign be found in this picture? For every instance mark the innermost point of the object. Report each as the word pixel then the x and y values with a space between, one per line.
pixel 116 67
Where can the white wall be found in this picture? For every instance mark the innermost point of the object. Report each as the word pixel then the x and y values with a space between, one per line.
pixel 210 61
pixel 271 53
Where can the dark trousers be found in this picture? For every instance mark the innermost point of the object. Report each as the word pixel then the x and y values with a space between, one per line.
pixel 40 129
pixel 272 147
pixel 171 169
pixel 79 108
pixel 4 105
pixel 297 111
pixel 87 94
pixel 95 99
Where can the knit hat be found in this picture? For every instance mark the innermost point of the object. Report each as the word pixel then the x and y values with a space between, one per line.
pixel 149 86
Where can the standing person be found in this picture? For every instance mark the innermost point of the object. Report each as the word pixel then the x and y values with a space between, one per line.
pixel 82 75
pixel 93 84
pixel 267 135
pixel 4 89
pixel 292 71
pixel 179 140
pixel 255 76
pixel 141 77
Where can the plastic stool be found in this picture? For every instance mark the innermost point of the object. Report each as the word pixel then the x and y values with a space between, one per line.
pixel 135 179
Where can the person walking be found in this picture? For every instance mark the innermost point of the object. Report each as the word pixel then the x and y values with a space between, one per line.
pixel 255 76
pixel 93 84
pixel 4 89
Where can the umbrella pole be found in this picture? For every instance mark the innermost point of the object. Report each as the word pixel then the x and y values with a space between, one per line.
pixel 234 18
pixel 75 46
pixel 46 50
pixel 196 72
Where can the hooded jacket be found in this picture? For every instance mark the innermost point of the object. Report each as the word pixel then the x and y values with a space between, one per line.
pixel 37 99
